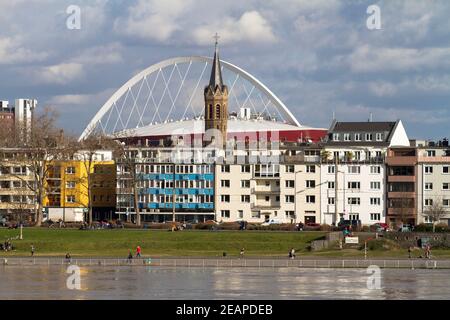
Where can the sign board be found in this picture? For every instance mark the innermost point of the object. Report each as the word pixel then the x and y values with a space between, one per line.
pixel 351 240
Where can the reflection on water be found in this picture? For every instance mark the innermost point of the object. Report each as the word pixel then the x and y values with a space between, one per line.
pixel 34 282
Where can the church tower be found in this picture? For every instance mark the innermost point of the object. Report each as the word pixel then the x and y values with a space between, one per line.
pixel 216 99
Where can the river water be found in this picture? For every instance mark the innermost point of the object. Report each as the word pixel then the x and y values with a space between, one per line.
pixel 127 282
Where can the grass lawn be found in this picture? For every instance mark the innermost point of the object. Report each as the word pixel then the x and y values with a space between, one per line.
pixel 116 243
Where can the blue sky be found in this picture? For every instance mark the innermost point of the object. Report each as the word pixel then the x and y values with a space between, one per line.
pixel 317 56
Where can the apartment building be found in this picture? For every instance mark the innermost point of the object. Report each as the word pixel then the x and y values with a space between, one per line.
pixel 433 180
pixel 70 184
pixel 17 199
pixel 353 170
pixel 164 187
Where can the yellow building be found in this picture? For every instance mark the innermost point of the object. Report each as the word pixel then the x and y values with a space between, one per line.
pixel 68 186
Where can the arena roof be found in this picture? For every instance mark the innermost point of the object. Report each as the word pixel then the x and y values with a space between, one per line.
pixel 197 126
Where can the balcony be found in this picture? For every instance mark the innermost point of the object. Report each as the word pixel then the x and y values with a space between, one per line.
pixel 401 161
pixel 268 206
pixel 402 194
pixel 401 212
pixel 401 178
pixel 265 190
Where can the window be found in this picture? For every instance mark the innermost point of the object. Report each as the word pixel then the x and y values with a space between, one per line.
pixel 445 169
pixel 375 169
pixel 245 168
pixel 330 184
pixel 267 198
pixel 245 198
pixel 225 213
pixel 225 198
pixel 428 202
pixel 375 201
pixel 70 170
pixel 245 183
pixel 354 185
pixel 225 168
pixel 335 136
pixel 357 136
pixel 379 137
pixel 375 216
pixel 289 199
pixel 446 202
pixel 225 183
pixel 290 168
pixel 331 169
pixel 310 199
pixel 353 216
pixel 445 186
pixel 369 137
pixel 354 201
pixel 346 136
pixel 310 183
pixel 428 186
pixel 428 169
pixel 241 214
pixel 431 153
pixel 289 183
pixel 310 169
pixel 70 184
pixel 70 199
pixel 331 200
pixel 354 169
pixel 375 185
pixel 290 214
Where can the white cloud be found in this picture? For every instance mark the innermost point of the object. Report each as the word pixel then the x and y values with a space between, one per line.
pixel 105 54
pixel 382 88
pixel 250 27
pixel 152 20
pixel 367 58
pixel 58 74
pixel 12 52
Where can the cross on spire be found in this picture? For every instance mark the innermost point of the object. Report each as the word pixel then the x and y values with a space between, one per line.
pixel 216 37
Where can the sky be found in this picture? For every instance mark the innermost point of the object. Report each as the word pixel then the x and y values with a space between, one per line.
pixel 318 56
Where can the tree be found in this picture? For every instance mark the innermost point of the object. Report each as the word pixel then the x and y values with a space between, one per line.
pixel 36 148
pixel 325 155
pixel 435 211
pixel 128 161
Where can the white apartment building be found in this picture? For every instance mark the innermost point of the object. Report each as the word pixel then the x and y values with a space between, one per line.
pixel 353 176
pixel 433 179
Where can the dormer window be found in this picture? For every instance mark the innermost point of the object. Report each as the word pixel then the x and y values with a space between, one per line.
pixel 346 136
pixel 357 136
pixel 379 137
pixel 369 137
pixel 335 136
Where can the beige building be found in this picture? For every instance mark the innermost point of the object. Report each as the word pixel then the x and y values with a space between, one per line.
pixel 433 179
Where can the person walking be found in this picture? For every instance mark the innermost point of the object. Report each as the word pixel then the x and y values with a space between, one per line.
pixel 409 252
pixel 241 254
pixel 32 250
pixel 138 252
pixel 292 253
pixel 130 257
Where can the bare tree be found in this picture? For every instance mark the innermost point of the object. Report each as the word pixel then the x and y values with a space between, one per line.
pixel 36 149
pixel 435 211
pixel 127 159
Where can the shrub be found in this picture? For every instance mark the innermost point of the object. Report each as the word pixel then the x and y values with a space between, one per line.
pixel 423 227
pixel 326 227
pixel 380 244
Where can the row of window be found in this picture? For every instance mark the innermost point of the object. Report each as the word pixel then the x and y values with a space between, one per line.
pixel 288 198
pixel 289 214
pixel 358 136
pixel 445 202
pixel 429 186
pixel 356 169
pixel 429 169
pixel 356 201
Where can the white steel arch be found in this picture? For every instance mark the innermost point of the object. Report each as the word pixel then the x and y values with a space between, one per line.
pixel 279 105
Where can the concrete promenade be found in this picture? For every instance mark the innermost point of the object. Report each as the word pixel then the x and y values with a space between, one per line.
pixel 224 262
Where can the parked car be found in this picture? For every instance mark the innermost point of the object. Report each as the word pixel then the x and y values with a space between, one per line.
pixel 344 224
pixel 310 226
pixel 406 228
pixel 271 221
pixel 379 227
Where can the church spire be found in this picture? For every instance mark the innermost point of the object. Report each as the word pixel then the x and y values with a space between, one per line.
pixel 216 72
